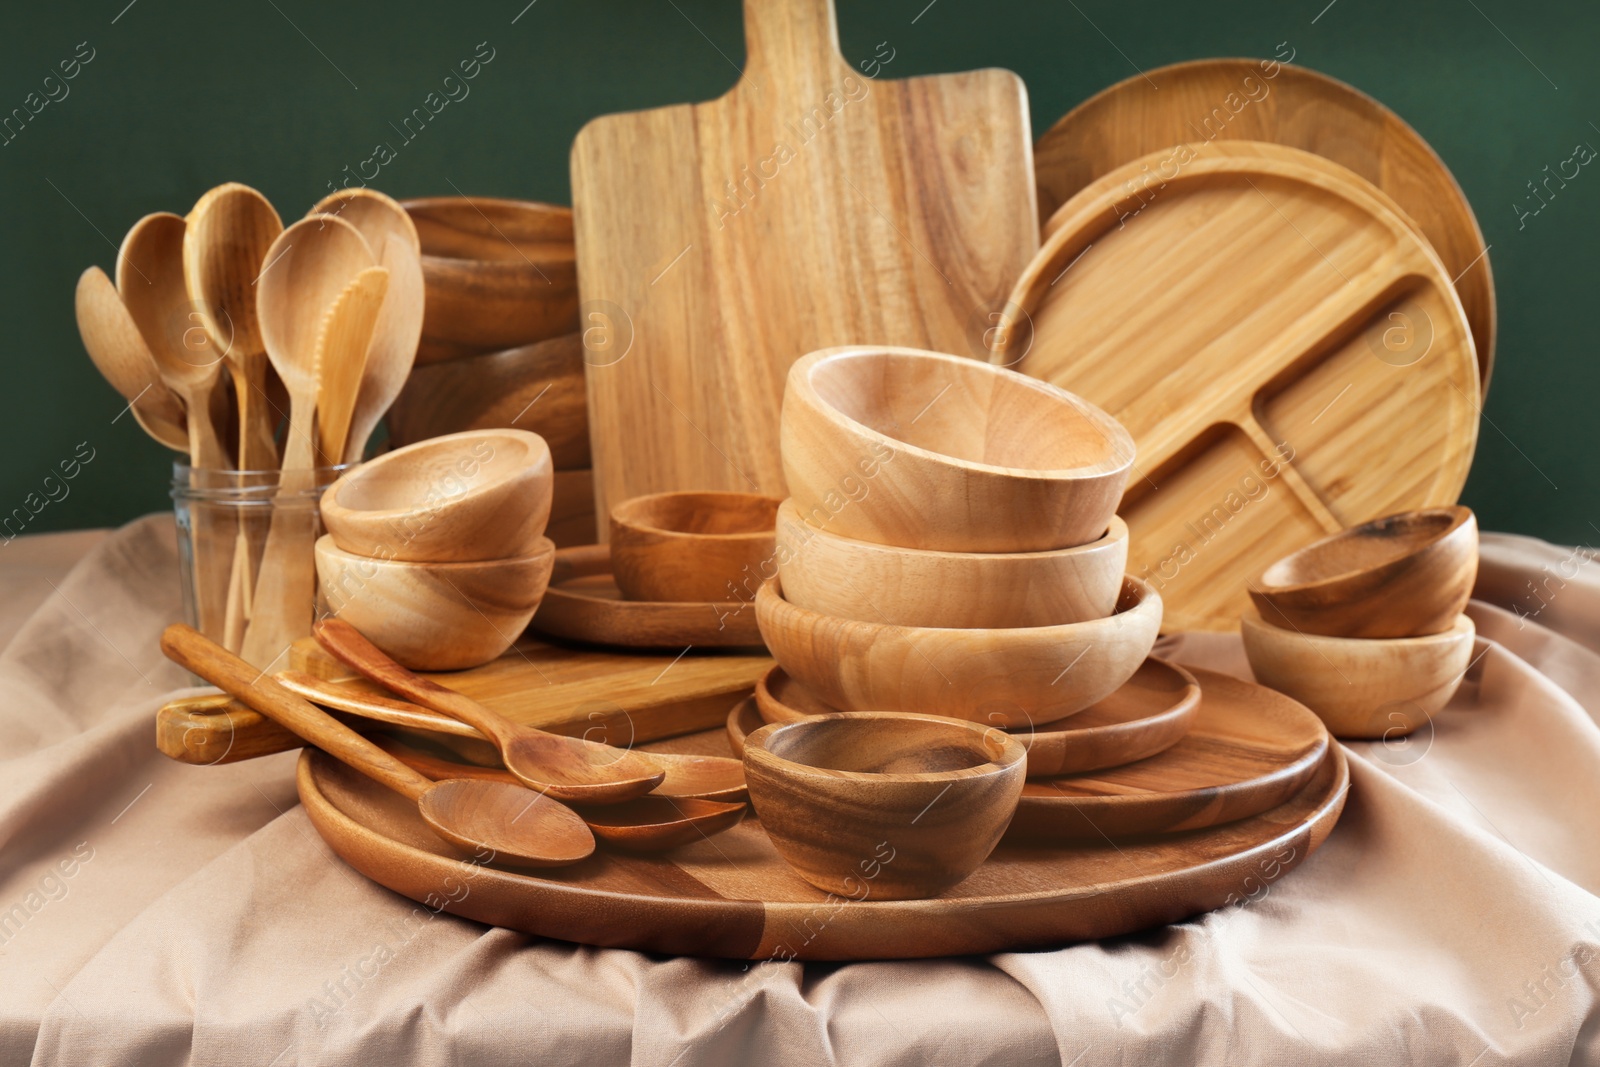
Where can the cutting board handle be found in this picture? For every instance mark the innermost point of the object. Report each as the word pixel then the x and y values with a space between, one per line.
pixel 790 44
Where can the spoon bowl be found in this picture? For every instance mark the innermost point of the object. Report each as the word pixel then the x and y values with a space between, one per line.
pixel 120 354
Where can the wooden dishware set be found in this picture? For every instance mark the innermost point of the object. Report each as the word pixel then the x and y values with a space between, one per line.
pixel 954 479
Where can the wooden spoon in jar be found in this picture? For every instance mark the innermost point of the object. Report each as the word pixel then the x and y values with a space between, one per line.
pixel 568 768
pixel 114 344
pixel 473 814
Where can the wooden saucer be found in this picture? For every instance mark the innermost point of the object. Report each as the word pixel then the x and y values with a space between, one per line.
pixel 583 603
pixel 734 897
pixel 1150 713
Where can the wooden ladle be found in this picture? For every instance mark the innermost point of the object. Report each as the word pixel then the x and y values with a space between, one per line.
pixel 472 814
pixel 114 344
pixel 568 768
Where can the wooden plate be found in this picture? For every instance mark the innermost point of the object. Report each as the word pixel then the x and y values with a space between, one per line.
pixel 733 897
pixel 583 603
pixel 1150 713
pixel 1212 100
pixel 1289 356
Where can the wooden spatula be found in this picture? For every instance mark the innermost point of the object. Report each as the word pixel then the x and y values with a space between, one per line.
pixel 810 206
pixel 342 352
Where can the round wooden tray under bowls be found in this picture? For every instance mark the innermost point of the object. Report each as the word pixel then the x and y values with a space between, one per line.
pixel 476 495
pixel 1403 575
pixel 1149 713
pixel 1348 391
pixel 497 273
pixel 583 603
pixel 1225 100
pixel 998 677
pixel 435 616
pixel 692 546
pixel 734 897
pixel 925 450
pixel 854 579
pixel 1363 687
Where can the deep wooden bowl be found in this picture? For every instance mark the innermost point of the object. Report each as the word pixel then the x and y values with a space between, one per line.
pixel 884 807
pixel 924 450
pixel 497 273
pixel 1362 687
pixel 477 495
pixel 854 579
pixel 1403 575
pixel 435 616
pixel 1000 677
pixel 698 547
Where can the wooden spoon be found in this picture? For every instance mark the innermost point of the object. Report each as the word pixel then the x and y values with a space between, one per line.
pixel 645 824
pixel 120 354
pixel 224 250
pixel 393 237
pixel 343 349
pixel 472 814
pixel 568 768
pixel 687 777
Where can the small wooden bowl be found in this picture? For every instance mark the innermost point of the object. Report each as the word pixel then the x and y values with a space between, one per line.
pixel 924 450
pixel 477 495
pixel 496 273
pixel 884 807
pixel 853 579
pixel 1401 576
pixel 435 616
pixel 703 547
pixel 1362 687
pixel 1000 677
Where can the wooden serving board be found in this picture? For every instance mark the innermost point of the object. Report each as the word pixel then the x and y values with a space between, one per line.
pixel 1288 354
pixel 810 206
pixel 1211 100
pixel 732 896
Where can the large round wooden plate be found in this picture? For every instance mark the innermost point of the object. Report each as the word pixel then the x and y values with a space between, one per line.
pixel 1288 354
pixel 1211 100
pixel 732 896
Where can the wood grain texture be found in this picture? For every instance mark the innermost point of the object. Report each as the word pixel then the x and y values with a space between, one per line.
pixel 573 523
pixel 1221 100
pixel 1000 677
pixel 735 897
pixel 584 604
pixel 809 206
pixel 536 387
pixel 692 546
pixel 1288 354
pixel 1402 575
pixel 1363 687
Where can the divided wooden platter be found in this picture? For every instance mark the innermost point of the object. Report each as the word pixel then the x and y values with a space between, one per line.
pixel 1288 354
pixel 1209 100
pixel 810 206
pixel 583 603
pixel 732 896
pixel 618 697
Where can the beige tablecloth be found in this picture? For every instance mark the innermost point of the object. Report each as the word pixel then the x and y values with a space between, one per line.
pixel 155 913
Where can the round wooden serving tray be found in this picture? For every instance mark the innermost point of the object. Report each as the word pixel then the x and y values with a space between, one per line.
pixel 1287 352
pixel 732 896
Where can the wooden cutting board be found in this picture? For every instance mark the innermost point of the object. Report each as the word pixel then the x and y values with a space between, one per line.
pixel 1211 100
pixel 733 896
pixel 1289 356
pixel 810 206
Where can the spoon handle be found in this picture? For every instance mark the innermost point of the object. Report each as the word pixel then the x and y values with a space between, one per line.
pixel 190 649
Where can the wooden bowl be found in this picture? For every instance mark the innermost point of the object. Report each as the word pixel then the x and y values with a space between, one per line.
pixel 496 273
pixel 702 547
pixel 1362 687
pixel 1000 677
pixel 1401 576
pixel 853 579
pixel 435 616
pixel 923 450
pixel 884 807
pixel 478 495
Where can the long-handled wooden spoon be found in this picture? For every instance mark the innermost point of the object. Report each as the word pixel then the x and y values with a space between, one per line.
pixel 512 821
pixel 393 237
pixel 343 348
pixel 687 777
pixel 568 768
pixel 118 351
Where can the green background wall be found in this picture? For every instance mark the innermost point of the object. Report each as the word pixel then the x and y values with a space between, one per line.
pixel 283 94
